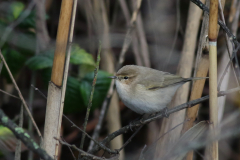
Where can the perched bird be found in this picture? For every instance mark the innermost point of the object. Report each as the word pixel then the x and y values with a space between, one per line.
pixel 146 90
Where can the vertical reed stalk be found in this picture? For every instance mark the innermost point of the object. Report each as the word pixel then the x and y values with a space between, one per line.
pixel 196 93
pixel 53 110
pixel 57 151
pixel 212 34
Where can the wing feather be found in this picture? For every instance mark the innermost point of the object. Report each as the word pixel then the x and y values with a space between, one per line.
pixel 160 80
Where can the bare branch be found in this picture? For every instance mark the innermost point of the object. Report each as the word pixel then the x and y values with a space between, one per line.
pixel 9 94
pixel 99 144
pixel 141 122
pixel 19 143
pixel 24 136
pixel 82 153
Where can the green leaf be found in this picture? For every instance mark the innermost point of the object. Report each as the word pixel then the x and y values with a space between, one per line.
pixel 17 8
pixel 29 21
pixel 73 99
pixel 80 56
pixel 78 92
pixel 41 61
pixel 85 60
pixel 101 88
pixel 8 140
pixel 4 131
pixel 46 75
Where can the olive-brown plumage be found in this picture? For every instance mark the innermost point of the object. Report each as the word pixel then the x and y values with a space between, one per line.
pixel 146 90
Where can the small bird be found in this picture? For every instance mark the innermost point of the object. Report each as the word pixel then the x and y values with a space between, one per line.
pixel 146 90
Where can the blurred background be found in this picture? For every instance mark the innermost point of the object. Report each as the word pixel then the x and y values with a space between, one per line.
pixel 28 30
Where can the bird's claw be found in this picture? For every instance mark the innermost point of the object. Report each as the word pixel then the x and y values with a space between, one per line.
pixel 165 112
pixel 131 125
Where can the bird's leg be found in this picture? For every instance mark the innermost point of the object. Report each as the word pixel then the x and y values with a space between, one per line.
pixel 165 110
pixel 139 118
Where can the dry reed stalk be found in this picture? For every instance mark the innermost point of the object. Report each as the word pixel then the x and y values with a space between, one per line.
pixel 196 93
pixel 184 70
pixel 54 89
pixel 60 129
pixel 212 34
pixel 201 59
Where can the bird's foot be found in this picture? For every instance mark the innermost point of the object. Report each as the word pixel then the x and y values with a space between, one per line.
pixel 165 112
pixel 131 124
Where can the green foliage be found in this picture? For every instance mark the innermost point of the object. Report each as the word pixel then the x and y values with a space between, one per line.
pixel 78 92
pixel 78 86
pixel 101 87
pixel 23 42
pixel 45 60
pixel 29 21
pixel 5 132
pixel 85 60
pixel 80 56
pixel 17 8
pixel 11 11
pixel 73 98
pixel 15 61
pixel 41 61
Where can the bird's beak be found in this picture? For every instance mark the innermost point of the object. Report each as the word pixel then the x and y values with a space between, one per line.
pixel 113 77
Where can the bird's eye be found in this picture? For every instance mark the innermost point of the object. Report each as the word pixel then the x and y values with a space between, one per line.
pixel 125 77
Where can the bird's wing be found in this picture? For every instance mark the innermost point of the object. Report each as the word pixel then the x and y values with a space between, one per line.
pixel 160 80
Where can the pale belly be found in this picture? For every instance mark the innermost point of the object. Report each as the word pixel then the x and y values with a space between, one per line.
pixel 146 101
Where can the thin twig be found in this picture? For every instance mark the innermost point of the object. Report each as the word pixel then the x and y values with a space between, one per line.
pixel 126 128
pixel 102 115
pixel 223 26
pixel 9 94
pixel 82 153
pixel 20 94
pixel 69 148
pixel 141 154
pixel 91 95
pixel 24 136
pixel 130 139
pixel 228 45
pixel 19 143
pixel 226 68
pixel 36 89
pixel 99 144
pixel 30 103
